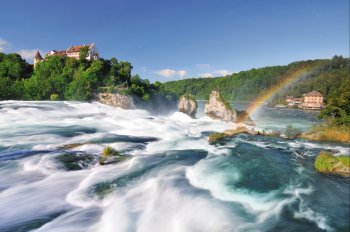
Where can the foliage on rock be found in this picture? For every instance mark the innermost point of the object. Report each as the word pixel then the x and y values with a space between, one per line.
pixel 330 164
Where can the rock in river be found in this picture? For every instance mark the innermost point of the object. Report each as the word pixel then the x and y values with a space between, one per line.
pixel 218 108
pixel 188 105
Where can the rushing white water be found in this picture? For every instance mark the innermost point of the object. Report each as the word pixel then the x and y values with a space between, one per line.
pixel 174 179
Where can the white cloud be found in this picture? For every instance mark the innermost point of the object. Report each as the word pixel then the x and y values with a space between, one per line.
pixel 223 72
pixel 24 53
pixel 170 72
pixel 3 45
pixel 27 54
pixel 207 75
pixel 181 73
pixel 166 72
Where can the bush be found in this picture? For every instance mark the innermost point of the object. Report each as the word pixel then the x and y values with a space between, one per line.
pixel 292 132
pixel 137 90
pixel 54 97
pixel 146 97
pixel 215 137
pixel 109 151
pixel 274 133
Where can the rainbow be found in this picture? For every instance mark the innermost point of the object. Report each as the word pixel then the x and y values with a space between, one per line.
pixel 273 90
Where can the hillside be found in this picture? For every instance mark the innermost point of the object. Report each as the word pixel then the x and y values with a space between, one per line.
pixel 328 77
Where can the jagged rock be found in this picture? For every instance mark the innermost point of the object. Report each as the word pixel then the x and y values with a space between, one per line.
pixel 188 105
pixel 217 108
pixel 244 117
pixel 116 99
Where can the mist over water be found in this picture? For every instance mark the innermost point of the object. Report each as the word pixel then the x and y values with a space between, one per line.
pixel 173 181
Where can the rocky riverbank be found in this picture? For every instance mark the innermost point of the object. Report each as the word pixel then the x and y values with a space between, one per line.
pixel 218 136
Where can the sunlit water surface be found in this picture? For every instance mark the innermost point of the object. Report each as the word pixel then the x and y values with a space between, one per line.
pixel 173 181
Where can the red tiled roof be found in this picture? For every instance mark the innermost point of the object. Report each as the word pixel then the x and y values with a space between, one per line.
pixel 77 48
pixel 59 53
pixel 314 93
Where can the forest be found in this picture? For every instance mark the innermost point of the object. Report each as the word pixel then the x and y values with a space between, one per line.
pixel 329 76
pixel 65 78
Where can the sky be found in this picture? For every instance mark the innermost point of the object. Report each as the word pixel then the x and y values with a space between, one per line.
pixel 176 39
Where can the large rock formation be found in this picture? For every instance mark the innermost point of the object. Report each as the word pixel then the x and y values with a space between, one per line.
pixel 188 105
pixel 117 100
pixel 217 108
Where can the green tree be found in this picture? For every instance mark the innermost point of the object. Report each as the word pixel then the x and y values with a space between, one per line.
pixel 136 80
pixel 81 88
pixel 137 90
pixel 124 72
pixel 84 51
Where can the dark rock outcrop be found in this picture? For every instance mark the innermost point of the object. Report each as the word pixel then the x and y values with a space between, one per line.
pixel 244 117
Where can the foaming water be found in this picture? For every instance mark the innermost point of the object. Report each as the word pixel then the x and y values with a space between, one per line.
pixel 173 180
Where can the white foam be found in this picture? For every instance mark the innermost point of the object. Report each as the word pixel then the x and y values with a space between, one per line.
pixel 160 200
pixel 158 205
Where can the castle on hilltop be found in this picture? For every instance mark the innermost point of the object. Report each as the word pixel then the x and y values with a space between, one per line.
pixel 72 51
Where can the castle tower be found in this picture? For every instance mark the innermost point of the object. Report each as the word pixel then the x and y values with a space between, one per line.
pixel 37 58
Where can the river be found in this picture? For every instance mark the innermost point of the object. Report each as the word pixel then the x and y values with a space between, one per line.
pixel 173 181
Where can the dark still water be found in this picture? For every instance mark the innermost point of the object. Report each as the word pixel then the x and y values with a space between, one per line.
pixel 173 180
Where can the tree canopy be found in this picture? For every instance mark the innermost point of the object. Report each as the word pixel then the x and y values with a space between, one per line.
pixel 66 78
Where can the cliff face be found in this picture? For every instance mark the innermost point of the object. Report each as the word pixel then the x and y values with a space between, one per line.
pixel 117 100
pixel 217 108
pixel 188 105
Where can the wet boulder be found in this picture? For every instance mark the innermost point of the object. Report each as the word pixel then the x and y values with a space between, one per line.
pixel 76 161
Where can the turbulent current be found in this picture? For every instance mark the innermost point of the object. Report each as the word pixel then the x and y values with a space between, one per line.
pixel 173 180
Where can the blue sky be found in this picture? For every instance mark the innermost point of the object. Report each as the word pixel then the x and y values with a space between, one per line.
pixel 176 39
